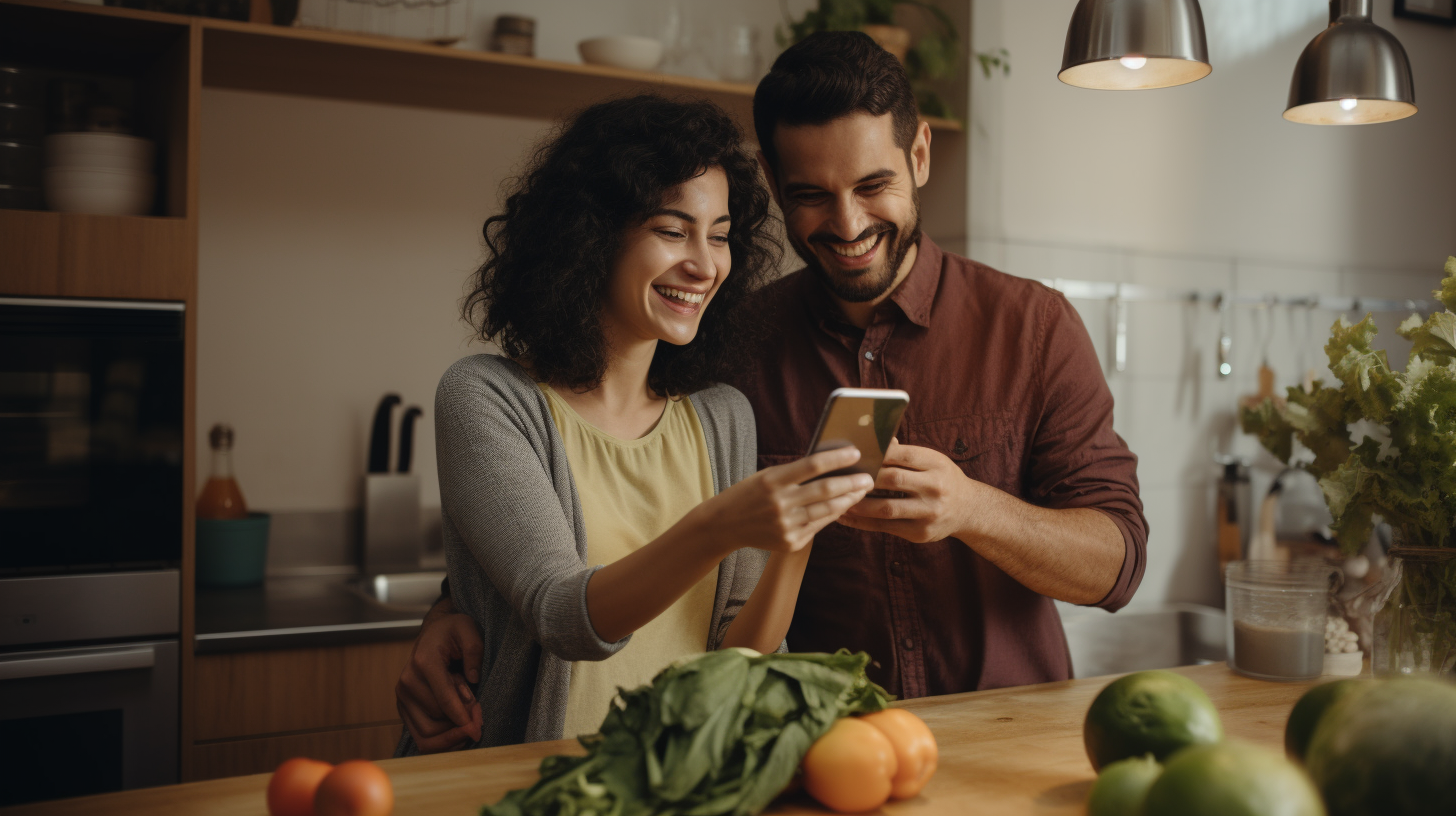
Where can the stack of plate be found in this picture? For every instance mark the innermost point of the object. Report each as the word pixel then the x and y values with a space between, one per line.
pixel 22 122
pixel 99 173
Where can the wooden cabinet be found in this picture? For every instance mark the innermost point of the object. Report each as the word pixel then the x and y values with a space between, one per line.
pixel 256 709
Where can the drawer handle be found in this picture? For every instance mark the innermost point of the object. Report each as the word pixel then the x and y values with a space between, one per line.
pixel 141 657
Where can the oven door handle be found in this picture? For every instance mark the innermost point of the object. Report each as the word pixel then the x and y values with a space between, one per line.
pixel 77 662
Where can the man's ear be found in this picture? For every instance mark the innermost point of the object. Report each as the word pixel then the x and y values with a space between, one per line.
pixel 769 179
pixel 920 155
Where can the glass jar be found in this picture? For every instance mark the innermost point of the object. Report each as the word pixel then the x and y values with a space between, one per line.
pixel 1415 625
pixel 1276 617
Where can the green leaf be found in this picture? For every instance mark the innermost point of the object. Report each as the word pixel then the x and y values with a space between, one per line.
pixel 1447 293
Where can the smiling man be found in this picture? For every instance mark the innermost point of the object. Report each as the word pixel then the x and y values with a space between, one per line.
pixel 1013 488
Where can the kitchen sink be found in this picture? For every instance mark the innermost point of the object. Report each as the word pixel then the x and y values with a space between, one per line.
pixel 1136 639
pixel 403 591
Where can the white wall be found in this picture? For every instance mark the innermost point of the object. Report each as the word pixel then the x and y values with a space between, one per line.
pixel 1206 186
pixel 336 239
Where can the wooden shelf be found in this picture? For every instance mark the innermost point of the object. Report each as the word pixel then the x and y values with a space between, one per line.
pixel 365 68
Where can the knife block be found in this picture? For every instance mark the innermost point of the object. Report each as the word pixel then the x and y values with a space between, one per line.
pixel 391 523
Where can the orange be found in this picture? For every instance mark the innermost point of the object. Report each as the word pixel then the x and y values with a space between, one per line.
pixel 851 768
pixel 355 788
pixel 916 754
pixel 292 786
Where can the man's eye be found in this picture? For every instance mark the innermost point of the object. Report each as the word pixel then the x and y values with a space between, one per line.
pixel 810 198
pixel 871 189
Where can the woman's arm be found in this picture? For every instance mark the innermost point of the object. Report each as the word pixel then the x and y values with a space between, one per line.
pixel 772 510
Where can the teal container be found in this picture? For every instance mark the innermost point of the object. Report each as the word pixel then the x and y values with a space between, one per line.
pixel 232 552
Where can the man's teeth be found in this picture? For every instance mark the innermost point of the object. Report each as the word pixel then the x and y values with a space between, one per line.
pixel 678 294
pixel 856 250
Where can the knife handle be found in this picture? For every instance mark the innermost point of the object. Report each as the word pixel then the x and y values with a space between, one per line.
pixel 407 437
pixel 379 436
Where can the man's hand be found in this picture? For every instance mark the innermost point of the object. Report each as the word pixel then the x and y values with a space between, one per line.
pixel 435 703
pixel 934 505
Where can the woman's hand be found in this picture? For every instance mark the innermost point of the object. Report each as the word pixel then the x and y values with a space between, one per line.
pixel 778 509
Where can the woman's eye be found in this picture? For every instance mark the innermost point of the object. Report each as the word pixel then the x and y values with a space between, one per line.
pixel 719 239
pixel 668 233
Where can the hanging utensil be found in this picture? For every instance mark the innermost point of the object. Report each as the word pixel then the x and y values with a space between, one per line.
pixel 1118 325
pixel 1225 340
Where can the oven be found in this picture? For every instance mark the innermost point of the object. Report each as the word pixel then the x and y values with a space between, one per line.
pixel 92 404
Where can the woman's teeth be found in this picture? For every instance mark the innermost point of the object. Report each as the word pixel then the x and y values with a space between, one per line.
pixel 856 250
pixel 678 294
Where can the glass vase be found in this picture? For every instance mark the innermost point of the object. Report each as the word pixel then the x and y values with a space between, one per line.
pixel 1415 626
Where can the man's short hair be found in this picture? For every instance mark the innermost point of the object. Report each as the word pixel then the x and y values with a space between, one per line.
pixel 829 75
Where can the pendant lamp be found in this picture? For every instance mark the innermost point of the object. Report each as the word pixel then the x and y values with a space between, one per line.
pixel 1128 45
pixel 1352 73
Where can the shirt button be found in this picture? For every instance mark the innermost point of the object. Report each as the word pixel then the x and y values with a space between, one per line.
pixel 869 355
pixel 908 644
pixel 897 568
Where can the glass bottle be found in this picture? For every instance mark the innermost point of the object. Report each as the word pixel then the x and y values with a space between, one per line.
pixel 221 497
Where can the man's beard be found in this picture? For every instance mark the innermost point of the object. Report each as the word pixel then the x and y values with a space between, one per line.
pixel 870 283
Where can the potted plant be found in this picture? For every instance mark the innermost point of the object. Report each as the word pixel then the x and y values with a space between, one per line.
pixel 931 57
pixel 1402 469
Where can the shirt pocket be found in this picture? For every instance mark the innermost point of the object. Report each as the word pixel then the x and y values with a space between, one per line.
pixel 986 447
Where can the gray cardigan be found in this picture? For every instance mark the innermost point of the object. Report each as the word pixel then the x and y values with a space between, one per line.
pixel 515 545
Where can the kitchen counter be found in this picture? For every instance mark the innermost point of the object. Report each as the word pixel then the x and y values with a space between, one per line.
pixel 1007 751
pixel 296 612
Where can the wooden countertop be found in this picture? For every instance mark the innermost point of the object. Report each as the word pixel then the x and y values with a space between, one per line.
pixel 1007 751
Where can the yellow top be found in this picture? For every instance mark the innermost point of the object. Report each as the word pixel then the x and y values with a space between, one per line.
pixel 631 491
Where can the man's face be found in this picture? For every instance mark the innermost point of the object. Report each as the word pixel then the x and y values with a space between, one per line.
pixel 850 198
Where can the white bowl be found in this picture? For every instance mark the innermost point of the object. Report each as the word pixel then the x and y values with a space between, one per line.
pixel 637 53
pixel 98 192
pixel 100 151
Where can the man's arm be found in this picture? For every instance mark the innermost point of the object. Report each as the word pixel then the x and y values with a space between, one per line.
pixel 1081 537
pixel 1073 555
pixel 435 703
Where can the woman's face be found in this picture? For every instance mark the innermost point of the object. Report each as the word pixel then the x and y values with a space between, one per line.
pixel 672 264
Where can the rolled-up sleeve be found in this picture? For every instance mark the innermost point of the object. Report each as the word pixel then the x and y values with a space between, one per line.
pixel 1077 460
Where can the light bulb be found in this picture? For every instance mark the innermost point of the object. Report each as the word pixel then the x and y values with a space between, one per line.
pixel 1349 104
pixel 1133 62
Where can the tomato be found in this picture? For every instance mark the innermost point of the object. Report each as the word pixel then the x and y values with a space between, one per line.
pixel 355 788
pixel 916 754
pixel 851 768
pixel 291 790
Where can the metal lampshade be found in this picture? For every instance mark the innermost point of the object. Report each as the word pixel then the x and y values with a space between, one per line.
pixel 1353 73
pixel 1129 45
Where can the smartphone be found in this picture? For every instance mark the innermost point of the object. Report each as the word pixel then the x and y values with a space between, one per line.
pixel 866 418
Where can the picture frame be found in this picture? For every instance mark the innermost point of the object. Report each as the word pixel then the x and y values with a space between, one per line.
pixel 1442 12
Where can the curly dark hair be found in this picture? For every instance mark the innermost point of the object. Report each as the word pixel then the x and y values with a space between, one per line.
pixel 540 292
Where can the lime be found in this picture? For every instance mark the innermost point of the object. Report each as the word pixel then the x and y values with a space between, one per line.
pixel 1307 712
pixel 1122 786
pixel 1390 750
pixel 1148 712
pixel 1232 778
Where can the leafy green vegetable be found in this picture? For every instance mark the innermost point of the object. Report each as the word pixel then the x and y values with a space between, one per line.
pixel 717 735
pixel 1409 482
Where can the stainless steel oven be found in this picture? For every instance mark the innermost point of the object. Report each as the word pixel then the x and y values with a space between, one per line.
pixel 92 403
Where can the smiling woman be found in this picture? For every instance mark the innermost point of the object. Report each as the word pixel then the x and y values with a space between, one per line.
pixel 597 485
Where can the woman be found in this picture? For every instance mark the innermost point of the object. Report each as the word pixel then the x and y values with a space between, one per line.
pixel 601 512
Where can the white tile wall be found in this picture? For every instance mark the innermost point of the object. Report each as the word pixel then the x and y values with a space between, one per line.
pixel 1173 409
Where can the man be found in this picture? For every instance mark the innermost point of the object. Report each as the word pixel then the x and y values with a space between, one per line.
pixel 1010 488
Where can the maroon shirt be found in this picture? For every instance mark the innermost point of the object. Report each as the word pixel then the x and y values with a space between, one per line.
pixel 1002 379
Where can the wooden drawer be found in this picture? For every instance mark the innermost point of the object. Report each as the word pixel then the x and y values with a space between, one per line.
pixel 277 693
pixel 263 754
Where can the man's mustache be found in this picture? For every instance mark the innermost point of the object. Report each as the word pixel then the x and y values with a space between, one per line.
pixel 831 238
